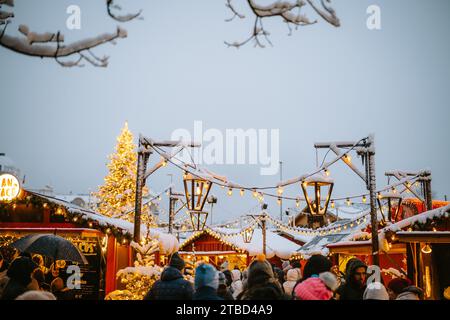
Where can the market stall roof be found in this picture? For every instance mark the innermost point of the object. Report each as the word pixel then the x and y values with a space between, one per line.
pixel 442 212
pixel 276 245
pixel 318 244
pixel 168 243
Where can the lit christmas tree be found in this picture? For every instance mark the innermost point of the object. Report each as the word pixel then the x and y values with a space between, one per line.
pixel 116 198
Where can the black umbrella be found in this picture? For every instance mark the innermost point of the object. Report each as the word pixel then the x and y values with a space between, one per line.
pixel 51 246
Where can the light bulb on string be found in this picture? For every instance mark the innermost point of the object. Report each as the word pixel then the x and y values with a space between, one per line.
pixel 297 203
pixel 280 190
pixel 241 192
pixel 348 202
pixel 332 204
pixel 327 172
pixel 279 201
pixel 230 192
pixel 364 199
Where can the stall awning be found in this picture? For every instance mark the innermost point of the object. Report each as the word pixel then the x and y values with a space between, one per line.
pixel 424 236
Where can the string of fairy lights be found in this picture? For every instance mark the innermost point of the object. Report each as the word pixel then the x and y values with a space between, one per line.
pixel 259 194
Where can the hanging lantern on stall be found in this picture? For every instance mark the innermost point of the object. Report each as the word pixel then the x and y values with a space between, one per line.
pixel 196 191
pixel 248 235
pixel 322 187
pixel 389 204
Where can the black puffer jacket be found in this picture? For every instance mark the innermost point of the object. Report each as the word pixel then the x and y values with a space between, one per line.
pixel 171 286
pixel 351 290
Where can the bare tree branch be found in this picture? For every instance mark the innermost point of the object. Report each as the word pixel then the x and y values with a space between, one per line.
pixel 283 9
pixel 121 18
pixel 235 13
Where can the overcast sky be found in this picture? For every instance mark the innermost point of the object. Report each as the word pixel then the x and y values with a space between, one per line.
pixel 320 84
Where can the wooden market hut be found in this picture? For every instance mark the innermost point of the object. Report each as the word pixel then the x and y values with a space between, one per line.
pixel 418 246
pixel 104 241
pixel 217 245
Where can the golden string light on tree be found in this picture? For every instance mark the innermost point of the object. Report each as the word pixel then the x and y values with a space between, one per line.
pixel 117 195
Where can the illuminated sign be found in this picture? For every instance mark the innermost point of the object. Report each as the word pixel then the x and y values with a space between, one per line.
pixel 9 187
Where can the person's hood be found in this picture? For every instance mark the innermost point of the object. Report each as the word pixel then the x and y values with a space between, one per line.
pixel 293 275
pixel 171 273
pixel 410 293
pixel 351 267
pixel 20 270
pixel 260 271
pixel 235 275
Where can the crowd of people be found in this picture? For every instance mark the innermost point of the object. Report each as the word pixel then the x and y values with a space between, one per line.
pixel 319 280
pixel 27 278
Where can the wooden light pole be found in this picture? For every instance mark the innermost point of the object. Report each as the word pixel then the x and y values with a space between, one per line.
pixel 145 147
pixel 366 149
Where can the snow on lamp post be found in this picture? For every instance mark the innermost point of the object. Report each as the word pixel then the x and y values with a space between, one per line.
pixel 196 191
pixel 322 186
pixel 390 202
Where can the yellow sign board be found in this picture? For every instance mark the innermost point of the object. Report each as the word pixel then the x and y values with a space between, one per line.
pixel 9 187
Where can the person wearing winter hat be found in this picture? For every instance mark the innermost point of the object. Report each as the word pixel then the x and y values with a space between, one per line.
pixel 316 287
pixel 223 290
pixel 261 282
pixel 396 286
pixel 316 265
pixel 19 274
pixel 36 295
pixel 411 293
pixel 355 281
pixel 171 285
pixel 293 276
pixel 286 266
pixel 375 291
pixel 206 283
pixel 236 284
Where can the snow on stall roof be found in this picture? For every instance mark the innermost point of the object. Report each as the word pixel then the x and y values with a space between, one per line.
pixel 318 245
pixel 167 242
pixel 419 218
pixel 276 245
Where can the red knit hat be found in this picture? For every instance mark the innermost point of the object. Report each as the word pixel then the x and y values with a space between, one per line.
pixel 398 284
pixel 313 289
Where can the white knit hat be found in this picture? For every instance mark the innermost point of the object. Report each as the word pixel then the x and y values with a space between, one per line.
pixel 375 291
pixel 36 295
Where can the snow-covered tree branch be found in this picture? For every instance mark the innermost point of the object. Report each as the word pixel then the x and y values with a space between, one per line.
pixel 51 45
pixel 110 6
pixel 290 12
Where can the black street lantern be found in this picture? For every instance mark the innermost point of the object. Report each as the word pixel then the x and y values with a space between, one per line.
pixel 389 204
pixel 248 235
pixel 322 186
pixel 196 190
pixel 198 219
